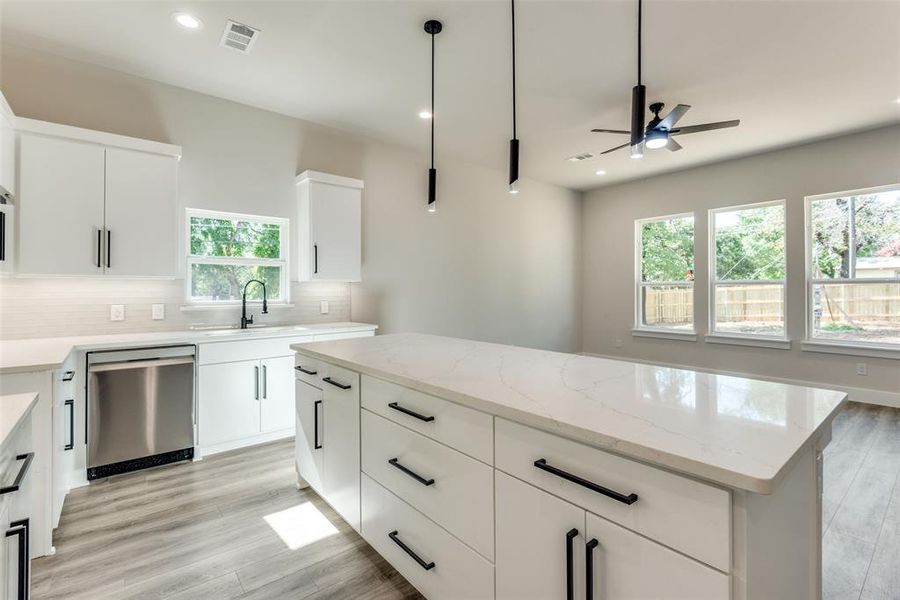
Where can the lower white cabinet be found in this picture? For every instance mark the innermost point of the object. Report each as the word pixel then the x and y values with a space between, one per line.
pixel 276 409
pixel 308 448
pixel 548 548
pixel 17 506
pixel 63 459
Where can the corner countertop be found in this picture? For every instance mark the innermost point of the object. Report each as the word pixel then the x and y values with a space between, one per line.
pixel 42 354
pixel 738 432
pixel 13 409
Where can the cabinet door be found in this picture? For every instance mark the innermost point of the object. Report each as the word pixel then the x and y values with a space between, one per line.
pixel 8 554
pixel 60 206
pixel 140 213
pixel 229 402
pixel 277 397
pixel 533 540
pixel 308 444
pixel 341 441
pixel 335 231
pixel 627 566
pixel 7 151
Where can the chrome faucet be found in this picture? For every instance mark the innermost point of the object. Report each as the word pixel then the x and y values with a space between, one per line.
pixel 265 309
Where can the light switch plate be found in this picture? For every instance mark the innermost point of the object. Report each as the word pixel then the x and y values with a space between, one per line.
pixel 323 307
pixel 116 312
pixel 158 312
pixel 862 369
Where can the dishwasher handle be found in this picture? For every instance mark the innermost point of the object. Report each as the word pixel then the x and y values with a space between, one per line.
pixel 140 364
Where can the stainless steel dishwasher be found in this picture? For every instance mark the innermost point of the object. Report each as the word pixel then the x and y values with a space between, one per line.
pixel 140 409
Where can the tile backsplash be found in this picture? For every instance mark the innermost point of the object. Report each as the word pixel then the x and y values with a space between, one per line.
pixel 62 306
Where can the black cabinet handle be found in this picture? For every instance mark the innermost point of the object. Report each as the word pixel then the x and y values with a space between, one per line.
pixel 416 476
pixel 316 444
pixel 343 386
pixel 20 530
pixel 68 376
pixel 315 258
pixel 589 568
pixel 71 404
pixel 631 498
pixel 265 382
pixel 99 247
pixel 2 235
pixel 307 371
pixel 256 389
pixel 570 575
pixel 20 477
pixel 108 248
pixel 411 413
pixel 425 565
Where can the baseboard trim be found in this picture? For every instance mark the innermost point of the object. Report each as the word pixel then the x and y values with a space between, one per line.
pixel 855 394
pixel 245 442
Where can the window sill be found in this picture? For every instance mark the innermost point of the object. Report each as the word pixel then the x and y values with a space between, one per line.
pixel 231 305
pixel 747 340
pixel 684 336
pixel 851 349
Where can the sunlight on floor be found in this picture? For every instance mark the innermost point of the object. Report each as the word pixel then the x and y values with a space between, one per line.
pixel 300 525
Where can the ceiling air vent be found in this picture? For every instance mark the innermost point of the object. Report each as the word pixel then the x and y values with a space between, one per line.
pixel 580 157
pixel 239 36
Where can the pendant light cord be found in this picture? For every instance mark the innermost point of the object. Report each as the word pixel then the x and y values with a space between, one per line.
pixel 432 100
pixel 640 28
pixel 513 11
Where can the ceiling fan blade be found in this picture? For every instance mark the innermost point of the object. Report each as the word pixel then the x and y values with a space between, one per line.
pixel 673 117
pixel 705 127
pixel 617 148
pixel 673 146
pixel 610 131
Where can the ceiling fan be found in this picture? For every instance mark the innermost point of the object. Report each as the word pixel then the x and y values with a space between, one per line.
pixel 659 131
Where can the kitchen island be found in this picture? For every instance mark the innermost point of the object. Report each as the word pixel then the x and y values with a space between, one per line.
pixel 480 470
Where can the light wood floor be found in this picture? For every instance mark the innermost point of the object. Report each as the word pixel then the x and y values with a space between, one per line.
pixel 198 531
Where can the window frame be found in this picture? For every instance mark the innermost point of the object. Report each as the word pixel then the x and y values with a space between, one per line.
pixel 830 345
pixel 283 262
pixel 713 281
pixel 639 329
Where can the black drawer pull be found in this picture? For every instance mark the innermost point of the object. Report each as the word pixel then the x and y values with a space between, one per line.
pixel 23 470
pixel 20 530
pixel 411 413
pixel 425 565
pixel 71 444
pixel 415 476
pixel 68 376
pixel 541 463
pixel 316 444
pixel 307 371
pixel 589 568
pixel 570 575
pixel 343 386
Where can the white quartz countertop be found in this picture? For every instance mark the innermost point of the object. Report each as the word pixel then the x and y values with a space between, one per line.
pixel 14 408
pixel 741 433
pixel 39 354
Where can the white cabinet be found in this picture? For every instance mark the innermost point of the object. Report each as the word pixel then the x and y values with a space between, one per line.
pixel 308 447
pixel 7 237
pixel 329 227
pixel 141 222
pixel 7 149
pixel 90 207
pixel 276 409
pixel 63 460
pixel 228 402
pixel 60 206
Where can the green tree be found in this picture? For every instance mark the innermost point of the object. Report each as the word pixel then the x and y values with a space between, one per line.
pixel 667 250
pixel 750 244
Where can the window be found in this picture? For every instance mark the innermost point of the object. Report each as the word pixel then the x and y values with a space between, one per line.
pixel 665 266
pixel 227 250
pixel 747 274
pixel 853 267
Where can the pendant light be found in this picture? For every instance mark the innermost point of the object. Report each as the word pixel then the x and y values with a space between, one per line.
pixel 432 28
pixel 514 142
pixel 638 98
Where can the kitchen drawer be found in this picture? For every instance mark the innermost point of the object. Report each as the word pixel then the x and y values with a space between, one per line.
pixel 222 352
pixel 682 513
pixel 335 379
pixel 307 369
pixel 460 499
pixel 467 430
pixel 458 572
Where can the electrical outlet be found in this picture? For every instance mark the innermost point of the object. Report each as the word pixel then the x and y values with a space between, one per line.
pixel 158 312
pixel 618 342
pixel 323 307
pixel 116 312
pixel 862 369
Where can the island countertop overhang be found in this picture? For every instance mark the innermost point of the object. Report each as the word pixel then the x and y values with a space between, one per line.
pixel 737 432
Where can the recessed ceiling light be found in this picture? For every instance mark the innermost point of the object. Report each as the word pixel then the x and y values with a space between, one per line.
pixel 424 114
pixel 187 21
pixel 600 172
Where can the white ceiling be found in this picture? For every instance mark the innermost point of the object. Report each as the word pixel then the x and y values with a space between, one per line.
pixel 790 70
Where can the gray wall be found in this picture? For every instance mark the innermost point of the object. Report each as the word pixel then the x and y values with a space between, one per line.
pixel 486 266
pixel 851 162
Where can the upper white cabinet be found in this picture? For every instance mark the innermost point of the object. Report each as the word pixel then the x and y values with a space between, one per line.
pixel 92 203
pixel 7 150
pixel 330 227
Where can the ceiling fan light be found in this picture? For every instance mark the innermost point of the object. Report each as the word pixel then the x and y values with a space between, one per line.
pixel 657 139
